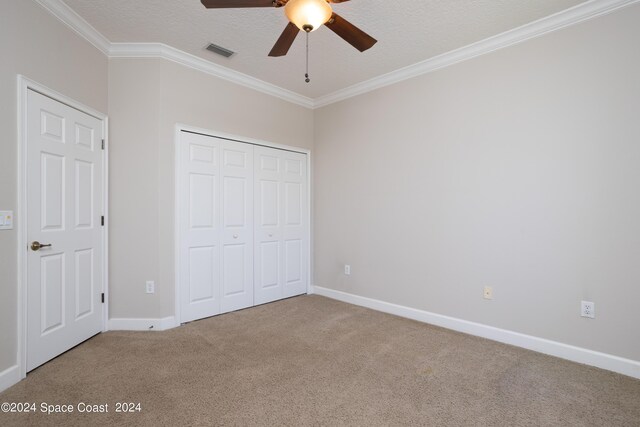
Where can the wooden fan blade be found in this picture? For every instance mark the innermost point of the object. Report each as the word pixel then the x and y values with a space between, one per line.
pixel 227 4
pixel 350 33
pixel 337 1
pixel 285 40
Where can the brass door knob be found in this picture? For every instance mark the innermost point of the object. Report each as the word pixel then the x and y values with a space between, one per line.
pixel 35 245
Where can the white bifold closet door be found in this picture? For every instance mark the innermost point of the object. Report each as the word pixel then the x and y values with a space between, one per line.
pixel 243 225
pixel 216 226
pixel 280 224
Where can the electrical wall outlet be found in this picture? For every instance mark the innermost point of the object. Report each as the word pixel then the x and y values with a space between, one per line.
pixel 151 287
pixel 588 309
pixel 488 292
pixel 347 270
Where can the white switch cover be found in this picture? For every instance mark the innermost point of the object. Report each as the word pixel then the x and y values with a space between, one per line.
pixel 347 269
pixel 6 220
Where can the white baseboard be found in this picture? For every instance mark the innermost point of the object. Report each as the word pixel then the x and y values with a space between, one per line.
pixel 9 377
pixel 565 351
pixel 142 324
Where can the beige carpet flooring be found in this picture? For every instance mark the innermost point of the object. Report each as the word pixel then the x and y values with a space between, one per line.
pixel 313 361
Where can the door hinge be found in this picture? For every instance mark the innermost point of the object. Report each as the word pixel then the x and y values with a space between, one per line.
pixel 102 220
pixel 102 297
pixel 103 144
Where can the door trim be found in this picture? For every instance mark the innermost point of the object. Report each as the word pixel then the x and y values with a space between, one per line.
pixel 23 86
pixel 179 127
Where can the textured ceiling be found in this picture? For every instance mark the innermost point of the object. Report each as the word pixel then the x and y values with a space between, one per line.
pixel 408 31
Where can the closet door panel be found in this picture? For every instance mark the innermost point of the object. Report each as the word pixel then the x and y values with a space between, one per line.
pixel 294 216
pixel 268 227
pixel 237 224
pixel 200 228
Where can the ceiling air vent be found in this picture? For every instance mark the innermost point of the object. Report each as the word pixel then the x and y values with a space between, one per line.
pixel 220 50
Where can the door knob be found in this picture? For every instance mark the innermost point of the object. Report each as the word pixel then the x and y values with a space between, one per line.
pixel 235 236
pixel 270 234
pixel 35 245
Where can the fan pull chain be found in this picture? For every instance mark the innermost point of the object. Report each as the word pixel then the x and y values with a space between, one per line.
pixel 306 75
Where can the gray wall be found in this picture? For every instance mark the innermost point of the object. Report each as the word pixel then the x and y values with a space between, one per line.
pixel 147 98
pixel 35 44
pixel 518 169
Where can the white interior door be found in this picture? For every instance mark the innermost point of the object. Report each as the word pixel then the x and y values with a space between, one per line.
pixel 281 224
pixel 64 182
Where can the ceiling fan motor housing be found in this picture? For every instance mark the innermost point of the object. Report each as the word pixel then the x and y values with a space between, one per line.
pixel 308 15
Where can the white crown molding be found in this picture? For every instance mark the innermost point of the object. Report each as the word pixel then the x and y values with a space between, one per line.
pixel 68 16
pixel 563 19
pixel 159 50
pixel 564 351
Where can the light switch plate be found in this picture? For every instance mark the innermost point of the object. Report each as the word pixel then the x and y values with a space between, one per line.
pixel 6 220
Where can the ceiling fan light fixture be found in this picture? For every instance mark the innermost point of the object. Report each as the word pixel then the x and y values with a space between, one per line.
pixel 308 15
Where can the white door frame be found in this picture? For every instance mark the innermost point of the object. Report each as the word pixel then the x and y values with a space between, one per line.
pixel 176 212
pixel 24 85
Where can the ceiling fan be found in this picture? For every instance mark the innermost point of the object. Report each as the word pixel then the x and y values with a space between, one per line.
pixel 305 15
